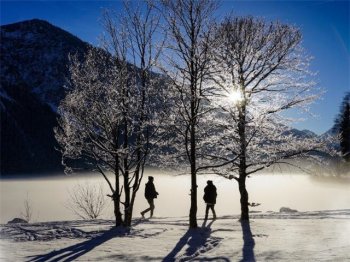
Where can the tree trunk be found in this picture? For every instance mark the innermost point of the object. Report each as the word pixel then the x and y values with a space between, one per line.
pixel 135 188
pixel 116 195
pixel 244 199
pixel 139 144
pixel 193 209
pixel 127 216
pixel 133 195
pixel 242 158
pixel 116 198
pixel 117 214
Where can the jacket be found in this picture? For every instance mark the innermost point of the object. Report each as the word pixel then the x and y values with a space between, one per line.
pixel 150 191
pixel 210 194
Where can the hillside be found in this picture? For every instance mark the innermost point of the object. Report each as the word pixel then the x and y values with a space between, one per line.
pixel 34 59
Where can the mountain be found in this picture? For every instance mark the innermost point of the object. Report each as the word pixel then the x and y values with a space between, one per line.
pixel 301 133
pixel 330 133
pixel 34 59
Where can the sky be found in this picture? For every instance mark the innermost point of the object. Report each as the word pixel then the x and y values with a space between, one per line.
pixel 325 26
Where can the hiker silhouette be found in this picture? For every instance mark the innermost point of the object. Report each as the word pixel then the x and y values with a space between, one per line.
pixel 210 198
pixel 150 195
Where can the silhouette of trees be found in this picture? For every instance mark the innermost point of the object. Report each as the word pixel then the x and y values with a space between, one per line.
pixel 90 116
pixel 229 83
pixel 110 117
pixel 131 38
pixel 187 67
pixel 342 127
pixel 262 71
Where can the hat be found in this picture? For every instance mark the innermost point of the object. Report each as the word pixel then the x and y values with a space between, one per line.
pixel 209 182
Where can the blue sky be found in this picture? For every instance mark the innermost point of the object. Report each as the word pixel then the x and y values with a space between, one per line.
pixel 324 24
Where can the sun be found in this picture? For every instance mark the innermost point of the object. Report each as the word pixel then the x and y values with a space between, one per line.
pixel 235 96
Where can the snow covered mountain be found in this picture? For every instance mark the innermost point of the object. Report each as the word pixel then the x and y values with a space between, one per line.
pixel 301 133
pixel 34 58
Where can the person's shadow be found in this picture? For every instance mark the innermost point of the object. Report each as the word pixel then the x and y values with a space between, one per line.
pixel 248 242
pixel 194 238
pixel 73 252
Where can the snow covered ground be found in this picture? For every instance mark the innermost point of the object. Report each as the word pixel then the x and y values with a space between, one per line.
pixel 270 236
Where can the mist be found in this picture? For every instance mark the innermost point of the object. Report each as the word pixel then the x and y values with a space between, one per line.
pixel 49 196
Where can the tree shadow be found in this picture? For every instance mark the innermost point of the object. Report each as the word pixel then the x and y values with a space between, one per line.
pixel 195 238
pixel 248 242
pixel 75 251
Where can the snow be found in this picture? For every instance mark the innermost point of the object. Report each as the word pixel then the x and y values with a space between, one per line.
pixel 270 236
pixel 14 34
pixel 21 35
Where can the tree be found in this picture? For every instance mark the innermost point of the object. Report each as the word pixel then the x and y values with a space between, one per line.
pixel 87 201
pixel 262 72
pixel 342 127
pixel 27 213
pixel 90 117
pixel 110 116
pixel 187 66
pixel 131 38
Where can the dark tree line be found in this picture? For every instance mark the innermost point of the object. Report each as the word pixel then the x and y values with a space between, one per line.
pixel 342 127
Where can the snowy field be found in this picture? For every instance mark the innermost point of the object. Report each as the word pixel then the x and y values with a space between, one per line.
pixel 271 236
pixel 307 235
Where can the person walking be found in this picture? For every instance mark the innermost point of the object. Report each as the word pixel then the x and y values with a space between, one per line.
pixel 210 198
pixel 150 195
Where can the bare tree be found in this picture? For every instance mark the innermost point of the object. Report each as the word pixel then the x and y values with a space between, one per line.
pixel 262 72
pixel 108 118
pixel 27 213
pixel 187 66
pixel 87 201
pixel 89 115
pixel 139 22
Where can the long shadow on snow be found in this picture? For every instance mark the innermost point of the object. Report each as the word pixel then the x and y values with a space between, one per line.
pixel 195 238
pixel 73 252
pixel 248 243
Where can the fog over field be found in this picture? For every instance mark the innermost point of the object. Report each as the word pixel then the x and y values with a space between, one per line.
pixel 49 196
